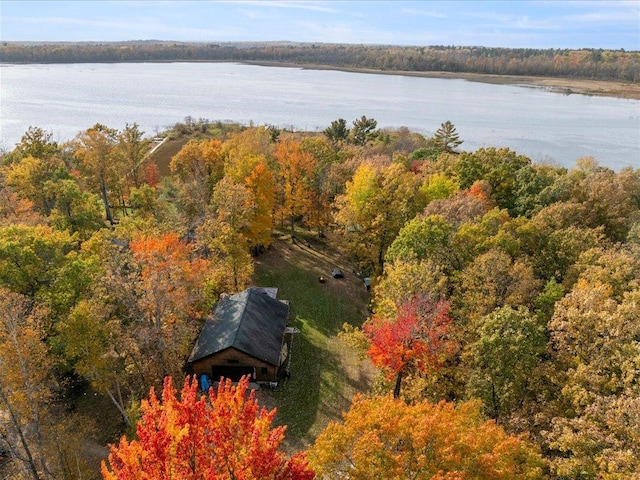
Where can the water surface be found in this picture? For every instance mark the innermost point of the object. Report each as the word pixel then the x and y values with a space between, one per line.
pixel 545 126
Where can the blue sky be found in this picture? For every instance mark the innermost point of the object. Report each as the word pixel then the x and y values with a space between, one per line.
pixel 535 24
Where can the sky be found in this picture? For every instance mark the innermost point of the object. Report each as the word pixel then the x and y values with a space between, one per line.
pixel 608 24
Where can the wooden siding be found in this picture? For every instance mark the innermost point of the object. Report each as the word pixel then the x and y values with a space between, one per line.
pixel 231 357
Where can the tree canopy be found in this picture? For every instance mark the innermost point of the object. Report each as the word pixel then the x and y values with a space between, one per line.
pixel 223 436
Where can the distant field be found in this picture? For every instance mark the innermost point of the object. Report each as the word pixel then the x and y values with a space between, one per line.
pixel 162 156
pixel 325 372
pixel 581 86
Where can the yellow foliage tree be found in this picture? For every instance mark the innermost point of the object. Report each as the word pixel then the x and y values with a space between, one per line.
pixel 385 438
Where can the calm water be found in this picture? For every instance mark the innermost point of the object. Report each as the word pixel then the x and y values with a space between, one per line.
pixel 545 126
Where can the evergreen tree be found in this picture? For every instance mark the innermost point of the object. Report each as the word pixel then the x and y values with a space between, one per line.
pixel 446 137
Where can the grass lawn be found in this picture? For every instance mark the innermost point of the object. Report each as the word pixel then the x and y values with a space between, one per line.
pixel 325 372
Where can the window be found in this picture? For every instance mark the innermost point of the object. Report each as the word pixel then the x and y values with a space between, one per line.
pixel 264 370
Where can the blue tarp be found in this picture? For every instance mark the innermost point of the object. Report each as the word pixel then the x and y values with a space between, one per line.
pixel 204 383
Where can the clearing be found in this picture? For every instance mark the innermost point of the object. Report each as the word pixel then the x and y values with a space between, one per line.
pixel 325 372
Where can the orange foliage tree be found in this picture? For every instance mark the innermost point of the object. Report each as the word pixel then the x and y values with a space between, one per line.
pixel 418 337
pixel 225 436
pixel 172 290
pixel 385 438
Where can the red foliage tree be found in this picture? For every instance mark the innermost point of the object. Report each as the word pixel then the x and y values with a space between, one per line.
pixel 223 437
pixel 418 337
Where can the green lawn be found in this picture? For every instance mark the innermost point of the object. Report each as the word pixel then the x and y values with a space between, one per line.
pixel 325 373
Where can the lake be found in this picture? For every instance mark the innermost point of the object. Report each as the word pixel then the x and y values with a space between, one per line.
pixel 545 126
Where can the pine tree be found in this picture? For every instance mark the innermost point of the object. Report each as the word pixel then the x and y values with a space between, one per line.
pixel 446 137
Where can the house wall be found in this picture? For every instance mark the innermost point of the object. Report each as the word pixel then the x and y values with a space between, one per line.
pixel 231 357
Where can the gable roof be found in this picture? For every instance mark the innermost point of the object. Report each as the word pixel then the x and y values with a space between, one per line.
pixel 252 321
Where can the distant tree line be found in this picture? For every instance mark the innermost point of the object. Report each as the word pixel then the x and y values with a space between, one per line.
pixel 584 63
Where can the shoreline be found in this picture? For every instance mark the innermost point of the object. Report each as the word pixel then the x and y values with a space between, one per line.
pixel 560 85
pixel 564 86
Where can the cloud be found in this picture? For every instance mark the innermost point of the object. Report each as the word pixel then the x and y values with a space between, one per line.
pixel 512 21
pixel 343 32
pixel 141 27
pixel 603 18
pixel 291 4
pixel 422 13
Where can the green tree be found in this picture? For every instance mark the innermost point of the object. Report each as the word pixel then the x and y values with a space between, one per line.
pixel 36 143
pixel 446 138
pixel 498 166
pixel 337 131
pixel 89 336
pixel 199 165
pixel 510 344
pixel 75 210
pixel 28 177
pixel 364 129
pixel 31 257
pixel 322 185
pixel 492 280
pixel 225 232
pixel 424 238
pixel 133 149
pixel 403 279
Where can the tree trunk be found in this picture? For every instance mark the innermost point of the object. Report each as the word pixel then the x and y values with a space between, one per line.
pixel 120 408
pixel 105 200
pixel 396 390
pixel 31 466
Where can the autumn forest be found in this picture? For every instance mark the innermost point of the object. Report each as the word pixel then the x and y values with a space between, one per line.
pixel 596 64
pixel 503 322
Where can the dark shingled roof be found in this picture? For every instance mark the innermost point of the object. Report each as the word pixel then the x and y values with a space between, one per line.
pixel 252 321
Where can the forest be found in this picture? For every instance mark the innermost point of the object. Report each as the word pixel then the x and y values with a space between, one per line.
pixel 596 64
pixel 503 325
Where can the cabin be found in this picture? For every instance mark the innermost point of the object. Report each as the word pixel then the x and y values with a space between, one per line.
pixel 244 336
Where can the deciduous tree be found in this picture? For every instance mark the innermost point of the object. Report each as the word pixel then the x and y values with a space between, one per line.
pixel 132 148
pixel 89 337
pixel 36 143
pixel 419 337
pixel 95 152
pixel 296 171
pixel 596 350
pixel 25 368
pixel 511 343
pixel 222 436
pixel 498 166
pixel 377 203
pixel 199 165
pixel 225 232
pixel 171 292
pixel 27 178
pixel 492 281
pixel 30 257
pixel 385 438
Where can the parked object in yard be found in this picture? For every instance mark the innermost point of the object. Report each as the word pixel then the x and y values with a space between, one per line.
pixel 337 273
